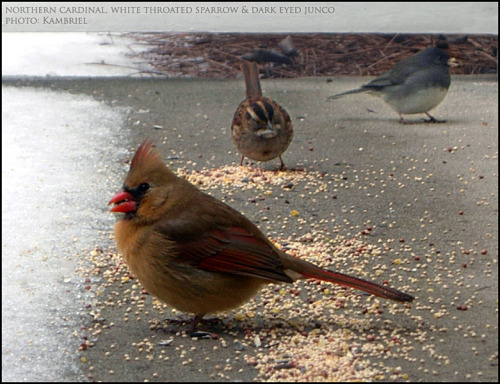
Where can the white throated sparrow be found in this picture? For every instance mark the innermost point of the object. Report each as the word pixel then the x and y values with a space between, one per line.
pixel 261 128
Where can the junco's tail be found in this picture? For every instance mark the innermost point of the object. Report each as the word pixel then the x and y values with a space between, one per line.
pixel 347 93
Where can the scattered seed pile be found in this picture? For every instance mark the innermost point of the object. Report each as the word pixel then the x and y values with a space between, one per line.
pixel 219 55
pixel 308 331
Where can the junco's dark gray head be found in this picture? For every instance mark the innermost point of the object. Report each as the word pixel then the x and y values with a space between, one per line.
pixel 433 55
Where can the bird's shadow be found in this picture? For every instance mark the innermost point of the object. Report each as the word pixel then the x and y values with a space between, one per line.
pixel 388 120
pixel 213 327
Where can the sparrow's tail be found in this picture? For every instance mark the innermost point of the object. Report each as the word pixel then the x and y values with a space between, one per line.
pixel 250 71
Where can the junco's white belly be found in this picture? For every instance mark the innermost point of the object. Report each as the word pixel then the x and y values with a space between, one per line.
pixel 419 101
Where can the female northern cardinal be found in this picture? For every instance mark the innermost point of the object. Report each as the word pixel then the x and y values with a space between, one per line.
pixel 196 253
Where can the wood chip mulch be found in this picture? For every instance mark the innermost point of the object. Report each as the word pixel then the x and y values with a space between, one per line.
pixel 217 55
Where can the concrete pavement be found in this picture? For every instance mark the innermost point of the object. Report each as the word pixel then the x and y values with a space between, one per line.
pixel 428 193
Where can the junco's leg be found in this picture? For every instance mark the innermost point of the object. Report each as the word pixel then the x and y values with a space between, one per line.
pixel 433 119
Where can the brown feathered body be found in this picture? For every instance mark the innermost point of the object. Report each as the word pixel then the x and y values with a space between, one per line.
pixel 196 253
pixel 261 129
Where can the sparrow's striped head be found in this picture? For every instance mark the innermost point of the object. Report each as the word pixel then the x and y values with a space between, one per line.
pixel 262 112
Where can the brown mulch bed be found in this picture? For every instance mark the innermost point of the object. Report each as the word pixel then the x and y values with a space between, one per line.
pixel 217 55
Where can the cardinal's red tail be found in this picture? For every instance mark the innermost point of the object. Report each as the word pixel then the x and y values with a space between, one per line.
pixel 363 285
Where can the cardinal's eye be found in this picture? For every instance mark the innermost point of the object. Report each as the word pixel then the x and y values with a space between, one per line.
pixel 143 187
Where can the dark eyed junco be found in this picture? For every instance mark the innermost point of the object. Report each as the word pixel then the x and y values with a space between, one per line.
pixel 416 84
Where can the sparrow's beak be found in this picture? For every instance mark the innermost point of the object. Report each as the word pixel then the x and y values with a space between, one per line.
pixel 270 125
pixel 267 133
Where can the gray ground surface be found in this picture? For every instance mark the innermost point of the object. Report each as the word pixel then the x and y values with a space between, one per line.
pixel 429 192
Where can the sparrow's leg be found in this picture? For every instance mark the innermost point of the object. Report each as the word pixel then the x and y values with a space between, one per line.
pixel 282 166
